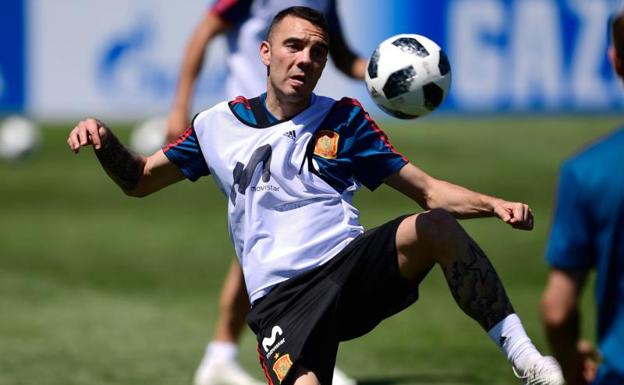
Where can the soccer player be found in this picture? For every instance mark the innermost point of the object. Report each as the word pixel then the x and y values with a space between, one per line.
pixel 289 162
pixel 244 23
pixel 588 233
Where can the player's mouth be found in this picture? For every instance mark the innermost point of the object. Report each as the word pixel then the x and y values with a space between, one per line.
pixel 298 79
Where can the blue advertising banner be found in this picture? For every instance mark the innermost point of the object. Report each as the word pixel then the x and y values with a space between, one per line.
pixel 507 56
pixel 12 56
pixel 515 55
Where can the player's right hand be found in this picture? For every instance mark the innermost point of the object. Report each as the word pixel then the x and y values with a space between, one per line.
pixel 590 360
pixel 177 122
pixel 86 133
pixel 518 215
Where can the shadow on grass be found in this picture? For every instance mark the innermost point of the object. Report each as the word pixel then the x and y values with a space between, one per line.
pixel 413 379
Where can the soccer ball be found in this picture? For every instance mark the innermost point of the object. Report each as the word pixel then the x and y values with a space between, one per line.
pixel 408 76
pixel 149 136
pixel 19 137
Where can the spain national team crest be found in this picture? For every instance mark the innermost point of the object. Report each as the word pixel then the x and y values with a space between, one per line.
pixel 326 144
pixel 281 366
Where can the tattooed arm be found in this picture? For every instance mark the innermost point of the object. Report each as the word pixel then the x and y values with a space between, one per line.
pixel 136 175
pixel 461 202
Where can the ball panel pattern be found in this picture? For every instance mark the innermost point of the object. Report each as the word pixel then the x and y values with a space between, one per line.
pixel 399 82
pixel 443 64
pixel 411 45
pixel 433 95
pixel 372 64
pixel 397 113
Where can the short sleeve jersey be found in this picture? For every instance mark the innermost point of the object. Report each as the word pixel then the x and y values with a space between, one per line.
pixel 289 183
pixel 250 20
pixel 588 233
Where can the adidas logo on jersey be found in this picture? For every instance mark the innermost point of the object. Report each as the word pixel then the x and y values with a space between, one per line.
pixel 291 134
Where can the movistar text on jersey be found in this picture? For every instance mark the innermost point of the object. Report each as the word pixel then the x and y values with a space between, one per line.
pixel 264 188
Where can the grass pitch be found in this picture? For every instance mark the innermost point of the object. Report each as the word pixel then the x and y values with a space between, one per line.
pixel 97 288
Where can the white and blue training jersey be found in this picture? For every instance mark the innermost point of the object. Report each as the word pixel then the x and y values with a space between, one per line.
pixel 290 183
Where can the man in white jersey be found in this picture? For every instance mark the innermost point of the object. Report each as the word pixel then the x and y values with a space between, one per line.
pixel 289 162
pixel 244 24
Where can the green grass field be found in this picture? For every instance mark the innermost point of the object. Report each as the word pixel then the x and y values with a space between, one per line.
pixel 98 288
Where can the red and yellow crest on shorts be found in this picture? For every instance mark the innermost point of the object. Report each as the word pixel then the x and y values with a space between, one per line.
pixel 326 144
pixel 282 366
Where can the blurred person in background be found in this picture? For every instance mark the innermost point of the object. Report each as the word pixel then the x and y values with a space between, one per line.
pixel 244 24
pixel 588 234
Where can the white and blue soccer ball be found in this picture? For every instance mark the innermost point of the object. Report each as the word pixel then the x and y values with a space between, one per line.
pixel 19 137
pixel 408 76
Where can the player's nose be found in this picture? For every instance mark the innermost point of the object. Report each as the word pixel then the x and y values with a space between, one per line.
pixel 304 58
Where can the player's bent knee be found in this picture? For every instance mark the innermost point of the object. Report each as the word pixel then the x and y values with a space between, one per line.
pixel 425 239
pixel 438 229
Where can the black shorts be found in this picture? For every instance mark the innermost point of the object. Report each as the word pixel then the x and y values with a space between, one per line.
pixel 302 320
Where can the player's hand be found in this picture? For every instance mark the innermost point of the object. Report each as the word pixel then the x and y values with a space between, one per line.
pixel 589 360
pixel 89 132
pixel 517 215
pixel 177 122
pixel 580 366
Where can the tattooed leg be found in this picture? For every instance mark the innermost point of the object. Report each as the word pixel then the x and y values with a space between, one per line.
pixel 435 237
pixel 476 287
pixel 471 277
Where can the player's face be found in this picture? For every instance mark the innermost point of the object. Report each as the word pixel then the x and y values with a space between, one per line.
pixel 296 54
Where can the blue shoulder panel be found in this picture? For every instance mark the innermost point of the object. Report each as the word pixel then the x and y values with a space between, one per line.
pixel 253 112
pixel 350 148
pixel 241 108
pixel 187 155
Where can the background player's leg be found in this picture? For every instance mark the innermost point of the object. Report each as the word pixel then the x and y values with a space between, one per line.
pixel 435 237
pixel 219 364
pixel 233 306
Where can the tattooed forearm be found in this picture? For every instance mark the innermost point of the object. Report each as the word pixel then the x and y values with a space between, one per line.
pixel 477 289
pixel 120 164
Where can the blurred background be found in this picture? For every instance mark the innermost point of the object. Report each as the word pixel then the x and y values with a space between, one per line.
pixel 119 59
pixel 98 288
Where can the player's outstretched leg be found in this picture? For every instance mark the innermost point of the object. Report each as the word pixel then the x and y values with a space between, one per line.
pixel 435 237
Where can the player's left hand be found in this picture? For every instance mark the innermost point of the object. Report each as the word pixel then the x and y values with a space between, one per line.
pixel 517 215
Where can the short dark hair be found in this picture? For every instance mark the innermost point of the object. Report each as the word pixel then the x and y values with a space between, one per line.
pixel 310 14
pixel 617 34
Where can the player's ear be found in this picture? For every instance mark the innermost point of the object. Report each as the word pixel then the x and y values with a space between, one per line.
pixel 265 53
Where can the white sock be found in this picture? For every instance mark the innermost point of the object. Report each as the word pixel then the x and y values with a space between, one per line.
pixel 222 351
pixel 511 338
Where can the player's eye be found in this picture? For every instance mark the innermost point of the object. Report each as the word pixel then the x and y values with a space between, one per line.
pixel 292 45
pixel 319 52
